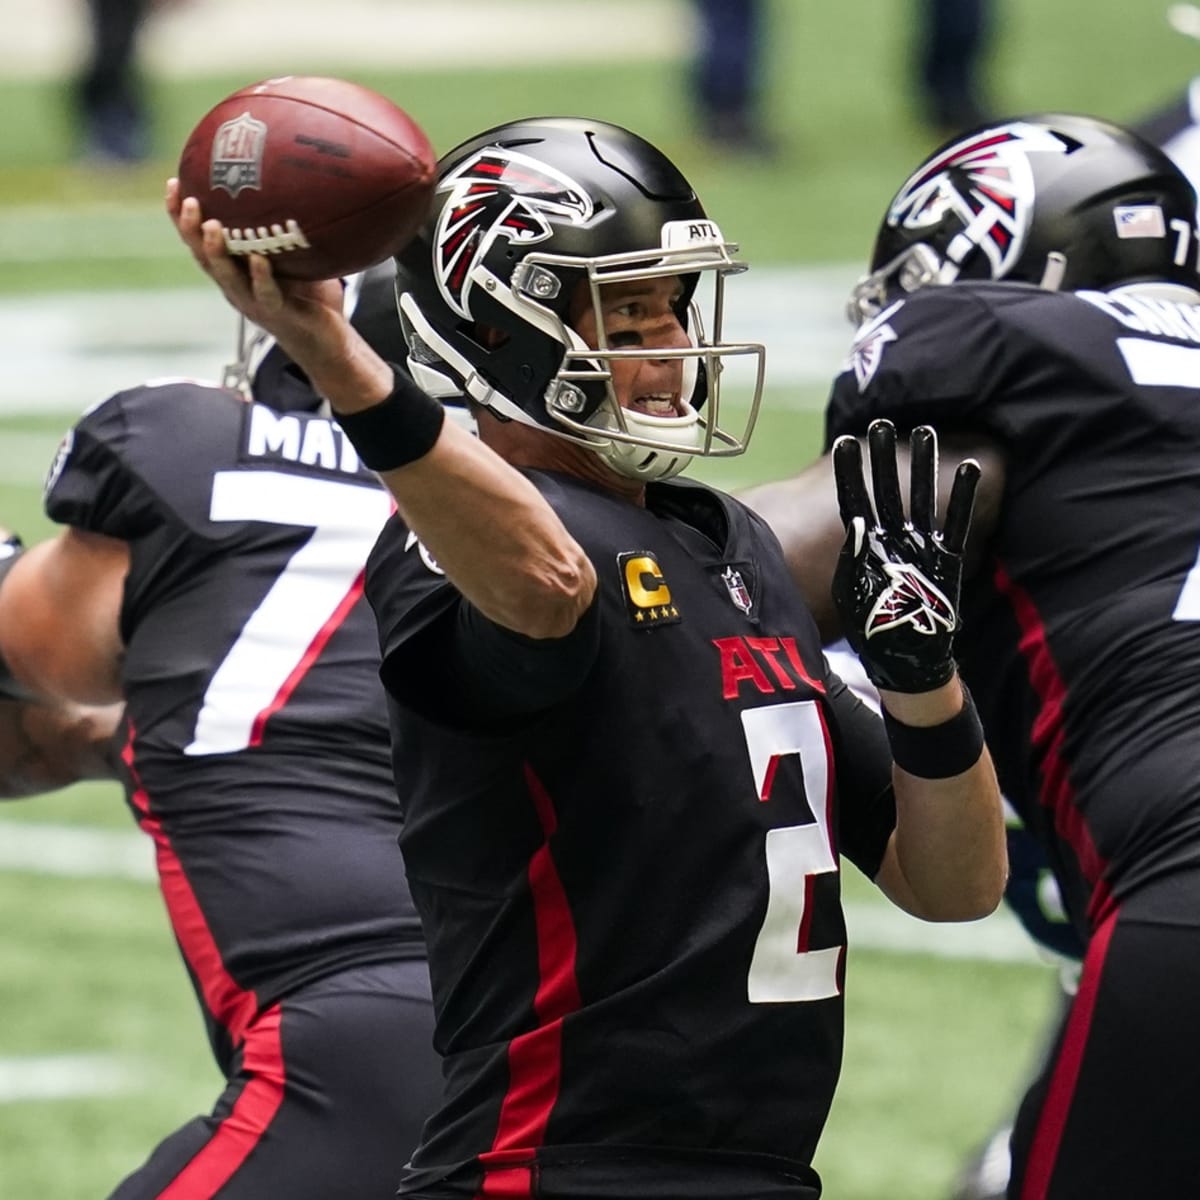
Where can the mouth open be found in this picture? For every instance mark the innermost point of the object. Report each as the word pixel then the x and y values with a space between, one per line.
pixel 657 404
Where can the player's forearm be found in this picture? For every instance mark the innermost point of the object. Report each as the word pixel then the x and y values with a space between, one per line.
pixel 948 857
pixel 45 746
pixel 949 843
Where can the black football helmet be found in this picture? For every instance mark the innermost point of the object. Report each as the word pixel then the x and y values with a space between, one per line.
pixel 1054 200
pixel 524 216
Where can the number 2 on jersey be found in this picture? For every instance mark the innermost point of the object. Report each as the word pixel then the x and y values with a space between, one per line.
pixel 286 629
pixel 783 968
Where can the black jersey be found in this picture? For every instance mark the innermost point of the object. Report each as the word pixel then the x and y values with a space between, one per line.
pixel 1081 638
pixel 258 752
pixel 632 899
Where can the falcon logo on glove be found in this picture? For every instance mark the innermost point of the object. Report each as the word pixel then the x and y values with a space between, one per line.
pixel 911 600
pixel 900 575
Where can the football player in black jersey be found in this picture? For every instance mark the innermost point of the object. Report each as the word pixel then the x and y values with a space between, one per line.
pixel 629 775
pixel 1034 291
pixel 210 576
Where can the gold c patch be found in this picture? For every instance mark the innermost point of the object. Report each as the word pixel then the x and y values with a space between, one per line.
pixel 647 596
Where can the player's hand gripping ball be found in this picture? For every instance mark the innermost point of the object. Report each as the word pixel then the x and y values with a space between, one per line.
pixel 897 580
pixel 322 175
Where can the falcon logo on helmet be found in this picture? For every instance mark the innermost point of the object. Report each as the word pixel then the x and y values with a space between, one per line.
pixel 910 600
pixel 498 193
pixel 987 182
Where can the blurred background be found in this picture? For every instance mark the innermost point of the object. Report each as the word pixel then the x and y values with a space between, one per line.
pixel 101 1051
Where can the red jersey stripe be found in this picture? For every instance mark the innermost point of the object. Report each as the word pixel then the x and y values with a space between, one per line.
pixel 1048 735
pixel 232 1005
pixel 238 1134
pixel 1047 1137
pixel 535 1058
pixel 310 656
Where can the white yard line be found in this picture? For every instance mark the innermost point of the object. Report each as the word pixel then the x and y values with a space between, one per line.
pixel 64 351
pixel 66 1077
pixel 74 852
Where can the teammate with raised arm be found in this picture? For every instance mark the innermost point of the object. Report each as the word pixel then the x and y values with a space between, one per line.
pixel 1034 292
pixel 631 778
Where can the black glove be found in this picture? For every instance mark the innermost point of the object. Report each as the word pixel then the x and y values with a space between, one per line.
pixel 897 581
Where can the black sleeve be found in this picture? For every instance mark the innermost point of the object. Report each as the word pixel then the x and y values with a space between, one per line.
pixel 444 659
pixel 467 671
pixel 863 761
pixel 937 357
pixel 90 485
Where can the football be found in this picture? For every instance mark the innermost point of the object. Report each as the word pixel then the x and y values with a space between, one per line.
pixel 324 176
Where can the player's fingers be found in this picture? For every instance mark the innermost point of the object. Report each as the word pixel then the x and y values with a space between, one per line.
pixel 856 538
pixel 173 199
pixel 264 285
pixel 962 502
pixel 923 465
pixel 853 501
pixel 189 226
pixel 881 442
pixel 216 257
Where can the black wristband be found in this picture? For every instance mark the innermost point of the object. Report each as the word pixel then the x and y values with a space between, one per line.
pixel 937 751
pixel 398 430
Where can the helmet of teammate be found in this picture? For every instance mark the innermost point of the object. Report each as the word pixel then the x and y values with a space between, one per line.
pixel 1054 200
pixel 263 372
pixel 529 220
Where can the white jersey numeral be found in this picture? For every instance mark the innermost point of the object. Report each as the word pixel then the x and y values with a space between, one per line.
pixel 1187 606
pixel 293 620
pixel 782 968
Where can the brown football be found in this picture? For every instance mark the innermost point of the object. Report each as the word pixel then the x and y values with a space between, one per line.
pixel 323 175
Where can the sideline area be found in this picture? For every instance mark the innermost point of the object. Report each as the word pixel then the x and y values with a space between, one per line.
pixel 47 38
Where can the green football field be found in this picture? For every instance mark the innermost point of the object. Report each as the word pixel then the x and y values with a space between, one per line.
pixel 101 1049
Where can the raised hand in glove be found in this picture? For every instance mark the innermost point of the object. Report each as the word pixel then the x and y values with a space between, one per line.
pixel 897 581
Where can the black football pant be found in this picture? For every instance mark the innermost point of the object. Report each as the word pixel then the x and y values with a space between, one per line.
pixel 1116 1109
pixel 330 1091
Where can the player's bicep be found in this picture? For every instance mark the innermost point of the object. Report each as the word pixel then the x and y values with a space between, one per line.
pixel 60 609
pixel 802 511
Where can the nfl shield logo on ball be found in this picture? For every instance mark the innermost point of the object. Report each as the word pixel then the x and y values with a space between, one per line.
pixel 237 150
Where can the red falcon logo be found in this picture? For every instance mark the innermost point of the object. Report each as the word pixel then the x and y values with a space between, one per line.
pixel 498 193
pixel 910 600
pixel 985 180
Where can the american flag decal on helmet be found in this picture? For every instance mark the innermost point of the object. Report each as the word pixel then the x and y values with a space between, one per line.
pixel 498 193
pixel 910 600
pixel 987 182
